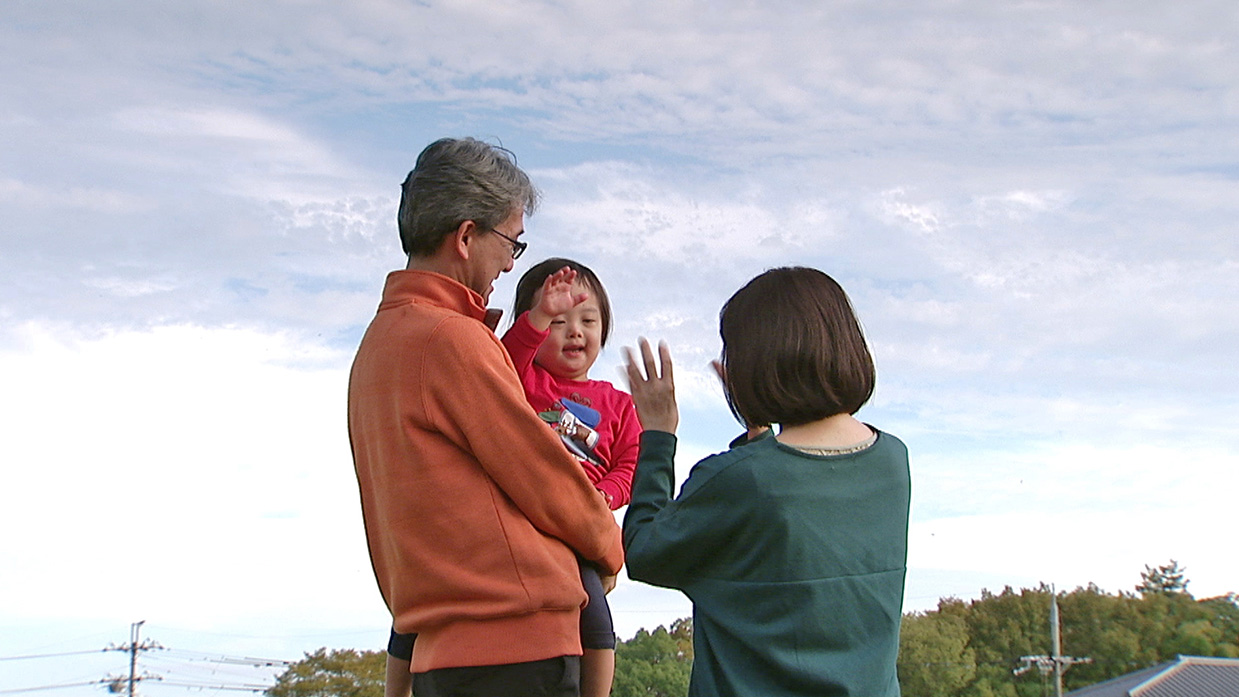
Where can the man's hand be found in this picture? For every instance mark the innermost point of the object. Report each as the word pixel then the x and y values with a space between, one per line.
pixel 608 582
pixel 652 393
pixel 555 298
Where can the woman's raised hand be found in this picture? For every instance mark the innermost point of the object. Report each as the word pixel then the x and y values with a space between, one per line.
pixel 652 387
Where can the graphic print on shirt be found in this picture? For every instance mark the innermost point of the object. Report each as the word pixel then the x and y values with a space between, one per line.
pixel 575 423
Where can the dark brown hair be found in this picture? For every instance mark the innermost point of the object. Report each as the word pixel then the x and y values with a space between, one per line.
pixel 532 281
pixel 793 350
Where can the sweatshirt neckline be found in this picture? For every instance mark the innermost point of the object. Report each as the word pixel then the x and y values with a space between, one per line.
pixel 412 286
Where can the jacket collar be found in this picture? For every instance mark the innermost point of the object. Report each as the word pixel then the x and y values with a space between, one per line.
pixel 425 287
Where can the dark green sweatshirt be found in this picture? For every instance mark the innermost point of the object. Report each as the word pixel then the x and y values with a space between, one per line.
pixel 795 563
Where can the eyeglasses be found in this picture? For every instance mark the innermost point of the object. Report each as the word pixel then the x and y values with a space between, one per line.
pixel 518 247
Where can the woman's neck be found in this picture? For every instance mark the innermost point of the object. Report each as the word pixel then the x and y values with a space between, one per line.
pixel 838 431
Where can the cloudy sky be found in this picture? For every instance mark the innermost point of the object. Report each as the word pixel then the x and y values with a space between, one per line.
pixel 1032 205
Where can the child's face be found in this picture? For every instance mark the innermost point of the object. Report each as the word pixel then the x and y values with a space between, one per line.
pixel 575 339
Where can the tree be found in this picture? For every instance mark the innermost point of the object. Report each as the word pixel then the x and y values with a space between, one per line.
pixel 1103 628
pixel 1167 578
pixel 335 673
pixel 1001 629
pixel 1223 613
pixel 934 656
pixel 656 664
pixel 1121 633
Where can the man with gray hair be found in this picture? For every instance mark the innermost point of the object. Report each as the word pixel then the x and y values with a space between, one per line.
pixel 474 511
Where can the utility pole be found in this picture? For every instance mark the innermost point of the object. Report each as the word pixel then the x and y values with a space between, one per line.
pixel 134 630
pixel 134 647
pixel 1056 662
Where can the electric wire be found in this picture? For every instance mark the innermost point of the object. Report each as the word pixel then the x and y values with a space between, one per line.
pixel 50 655
pixel 19 690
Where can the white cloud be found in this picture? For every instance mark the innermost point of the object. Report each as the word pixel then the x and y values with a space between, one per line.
pixel 195 459
pixel 99 200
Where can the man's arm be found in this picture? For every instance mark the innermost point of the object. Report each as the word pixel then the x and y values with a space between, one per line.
pixel 478 401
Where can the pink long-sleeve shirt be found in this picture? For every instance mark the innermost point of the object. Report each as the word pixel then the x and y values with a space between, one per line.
pixel 619 431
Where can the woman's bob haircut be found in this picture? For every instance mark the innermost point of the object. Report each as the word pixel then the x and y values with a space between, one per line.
pixel 793 350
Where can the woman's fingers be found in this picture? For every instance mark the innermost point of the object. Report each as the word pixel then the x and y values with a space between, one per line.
pixel 664 359
pixel 652 393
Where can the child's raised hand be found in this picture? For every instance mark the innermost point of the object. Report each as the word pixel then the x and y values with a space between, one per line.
pixel 555 298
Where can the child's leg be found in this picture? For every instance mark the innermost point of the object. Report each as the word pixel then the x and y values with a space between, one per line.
pixel 399 679
pixel 597 672
pixel 597 637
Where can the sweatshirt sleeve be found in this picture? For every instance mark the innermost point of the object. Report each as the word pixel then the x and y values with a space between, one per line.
pixel 668 542
pixel 513 446
pixel 617 482
pixel 522 341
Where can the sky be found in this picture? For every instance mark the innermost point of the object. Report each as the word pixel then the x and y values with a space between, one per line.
pixel 1031 205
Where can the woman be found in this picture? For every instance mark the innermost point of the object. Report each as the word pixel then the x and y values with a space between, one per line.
pixel 793 546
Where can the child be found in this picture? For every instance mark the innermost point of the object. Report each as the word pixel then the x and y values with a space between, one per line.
pixel 563 319
pixel 793 547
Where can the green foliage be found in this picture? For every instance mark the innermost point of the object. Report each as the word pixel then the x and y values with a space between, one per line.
pixel 338 673
pixel 934 656
pixel 969 649
pixel 656 664
pixel 1223 613
pixel 962 649
pixel 1002 628
pixel 1104 627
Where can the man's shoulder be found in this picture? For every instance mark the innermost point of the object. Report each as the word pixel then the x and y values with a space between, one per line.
pixel 419 316
pixel 461 333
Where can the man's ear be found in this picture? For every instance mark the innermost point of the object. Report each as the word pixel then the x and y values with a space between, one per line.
pixel 463 238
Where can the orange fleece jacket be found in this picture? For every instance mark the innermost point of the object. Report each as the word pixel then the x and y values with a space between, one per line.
pixel 473 508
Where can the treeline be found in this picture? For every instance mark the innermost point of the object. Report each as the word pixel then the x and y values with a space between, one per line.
pixel 651 664
pixel 655 664
pixel 971 649
pixel 962 649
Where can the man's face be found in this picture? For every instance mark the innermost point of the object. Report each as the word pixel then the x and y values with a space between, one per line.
pixel 492 254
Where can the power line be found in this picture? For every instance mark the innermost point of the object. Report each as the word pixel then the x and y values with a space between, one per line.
pixel 235 660
pixel 19 690
pixel 232 673
pixel 234 688
pixel 49 655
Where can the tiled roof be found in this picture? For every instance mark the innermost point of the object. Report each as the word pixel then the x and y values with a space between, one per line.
pixel 1122 685
pixel 1188 676
pixel 1194 676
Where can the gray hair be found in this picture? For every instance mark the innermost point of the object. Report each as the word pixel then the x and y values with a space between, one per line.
pixel 456 180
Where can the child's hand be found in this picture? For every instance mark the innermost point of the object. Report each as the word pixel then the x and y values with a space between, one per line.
pixel 555 298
